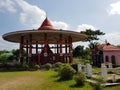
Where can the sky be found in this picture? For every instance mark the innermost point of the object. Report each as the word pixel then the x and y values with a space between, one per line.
pixel 74 15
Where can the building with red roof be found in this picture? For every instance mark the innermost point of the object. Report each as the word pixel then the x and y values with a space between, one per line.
pixel 106 53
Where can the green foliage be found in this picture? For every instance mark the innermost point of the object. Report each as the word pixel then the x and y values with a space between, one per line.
pixel 88 61
pixel 80 79
pixel 92 34
pixel 97 86
pixel 58 64
pixel 16 53
pixel 3 51
pixel 48 66
pixel 17 65
pixel 78 51
pixel 81 52
pixel 66 73
pixel 26 66
pixel 40 80
pixel 118 80
pixel 75 66
pixel 37 67
pixel 92 45
pixel 5 56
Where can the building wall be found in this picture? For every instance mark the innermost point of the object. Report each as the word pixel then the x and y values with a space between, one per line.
pixel 110 54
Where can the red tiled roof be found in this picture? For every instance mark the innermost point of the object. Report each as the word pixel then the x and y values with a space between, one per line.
pixel 46 25
pixel 108 47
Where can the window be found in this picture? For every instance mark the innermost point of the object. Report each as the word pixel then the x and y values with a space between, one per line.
pixel 106 58
pixel 113 59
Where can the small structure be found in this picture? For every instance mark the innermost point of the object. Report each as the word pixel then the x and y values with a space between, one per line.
pixel 89 70
pixel 106 53
pixel 104 72
pixel 45 44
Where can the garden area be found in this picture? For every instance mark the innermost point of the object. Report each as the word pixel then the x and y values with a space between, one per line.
pixel 57 77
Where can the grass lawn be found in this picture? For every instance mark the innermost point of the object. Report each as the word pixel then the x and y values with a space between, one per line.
pixel 39 80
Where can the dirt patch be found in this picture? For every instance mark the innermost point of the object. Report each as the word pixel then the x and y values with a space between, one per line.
pixel 16 82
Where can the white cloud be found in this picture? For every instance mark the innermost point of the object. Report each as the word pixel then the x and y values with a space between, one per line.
pixel 31 15
pixel 83 27
pixel 113 38
pixel 60 25
pixel 5 45
pixel 8 5
pixel 114 8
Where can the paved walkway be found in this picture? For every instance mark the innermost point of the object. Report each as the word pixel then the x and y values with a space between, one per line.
pixel 105 84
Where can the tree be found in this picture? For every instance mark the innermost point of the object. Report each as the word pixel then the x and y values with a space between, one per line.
pixel 92 45
pixel 92 36
pixel 81 52
pixel 5 56
pixel 16 54
pixel 78 51
pixel 4 51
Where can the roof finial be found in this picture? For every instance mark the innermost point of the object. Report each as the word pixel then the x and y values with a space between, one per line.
pixel 106 42
pixel 46 14
pixel 46 25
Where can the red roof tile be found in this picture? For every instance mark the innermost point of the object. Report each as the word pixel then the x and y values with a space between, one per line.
pixel 46 25
pixel 108 47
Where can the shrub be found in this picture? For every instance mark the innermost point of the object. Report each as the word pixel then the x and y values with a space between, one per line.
pixel 26 66
pixel 66 72
pixel 118 80
pixel 58 64
pixel 97 86
pixel 87 61
pixel 80 79
pixel 75 66
pixel 36 67
pixel 48 66
pixel 17 65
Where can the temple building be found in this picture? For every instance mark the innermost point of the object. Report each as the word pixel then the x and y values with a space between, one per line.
pixel 106 53
pixel 45 44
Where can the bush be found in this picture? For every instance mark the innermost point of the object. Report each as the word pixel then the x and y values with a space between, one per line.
pixel 17 65
pixel 87 61
pixel 75 66
pixel 80 79
pixel 118 80
pixel 58 64
pixel 66 72
pixel 97 86
pixel 36 67
pixel 48 66
pixel 26 66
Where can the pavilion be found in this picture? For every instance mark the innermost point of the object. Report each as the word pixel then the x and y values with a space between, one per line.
pixel 45 44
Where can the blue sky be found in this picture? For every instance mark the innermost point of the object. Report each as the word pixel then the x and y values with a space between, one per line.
pixel 75 15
